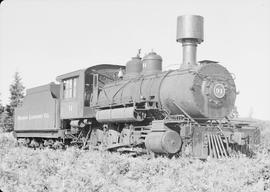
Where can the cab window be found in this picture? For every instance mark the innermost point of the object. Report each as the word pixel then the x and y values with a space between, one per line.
pixel 70 87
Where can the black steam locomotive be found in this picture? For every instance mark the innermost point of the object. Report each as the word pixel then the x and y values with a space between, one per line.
pixel 139 108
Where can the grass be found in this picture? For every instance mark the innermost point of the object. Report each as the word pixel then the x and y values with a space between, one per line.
pixel 24 169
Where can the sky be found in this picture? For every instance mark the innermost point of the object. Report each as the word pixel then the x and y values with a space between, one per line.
pixel 42 39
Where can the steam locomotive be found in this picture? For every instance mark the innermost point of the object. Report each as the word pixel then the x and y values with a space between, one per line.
pixel 138 108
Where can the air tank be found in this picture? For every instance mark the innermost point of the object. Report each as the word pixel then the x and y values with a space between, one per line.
pixel 152 63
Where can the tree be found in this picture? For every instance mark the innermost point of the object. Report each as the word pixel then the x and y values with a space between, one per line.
pixel 16 90
pixel 1 115
pixel 1 107
pixel 6 122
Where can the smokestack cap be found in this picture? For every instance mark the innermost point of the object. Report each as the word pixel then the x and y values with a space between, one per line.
pixel 189 27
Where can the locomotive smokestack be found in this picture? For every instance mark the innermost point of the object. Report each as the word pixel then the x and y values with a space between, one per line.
pixel 190 34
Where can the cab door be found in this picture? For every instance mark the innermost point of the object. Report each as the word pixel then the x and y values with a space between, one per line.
pixel 70 100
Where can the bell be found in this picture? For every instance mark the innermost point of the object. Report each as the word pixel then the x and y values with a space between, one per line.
pixel 120 74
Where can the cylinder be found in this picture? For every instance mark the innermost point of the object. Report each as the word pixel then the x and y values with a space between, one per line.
pixel 189 54
pixel 189 33
pixel 168 142
pixel 190 27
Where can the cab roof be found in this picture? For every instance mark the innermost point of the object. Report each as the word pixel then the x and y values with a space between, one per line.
pixel 99 67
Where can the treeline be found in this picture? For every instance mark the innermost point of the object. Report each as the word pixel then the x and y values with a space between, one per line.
pixel 17 93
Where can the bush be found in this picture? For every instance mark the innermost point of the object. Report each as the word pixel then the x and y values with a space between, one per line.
pixel 25 169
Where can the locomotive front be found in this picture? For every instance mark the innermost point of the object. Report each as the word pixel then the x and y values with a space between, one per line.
pixel 205 91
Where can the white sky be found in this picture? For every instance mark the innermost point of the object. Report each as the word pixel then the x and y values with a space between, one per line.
pixel 42 39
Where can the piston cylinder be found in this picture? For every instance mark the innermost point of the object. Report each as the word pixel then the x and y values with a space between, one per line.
pixel 168 142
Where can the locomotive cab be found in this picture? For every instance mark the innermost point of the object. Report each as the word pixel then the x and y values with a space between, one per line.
pixel 79 90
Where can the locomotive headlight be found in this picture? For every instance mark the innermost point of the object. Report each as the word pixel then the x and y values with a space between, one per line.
pixel 219 90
